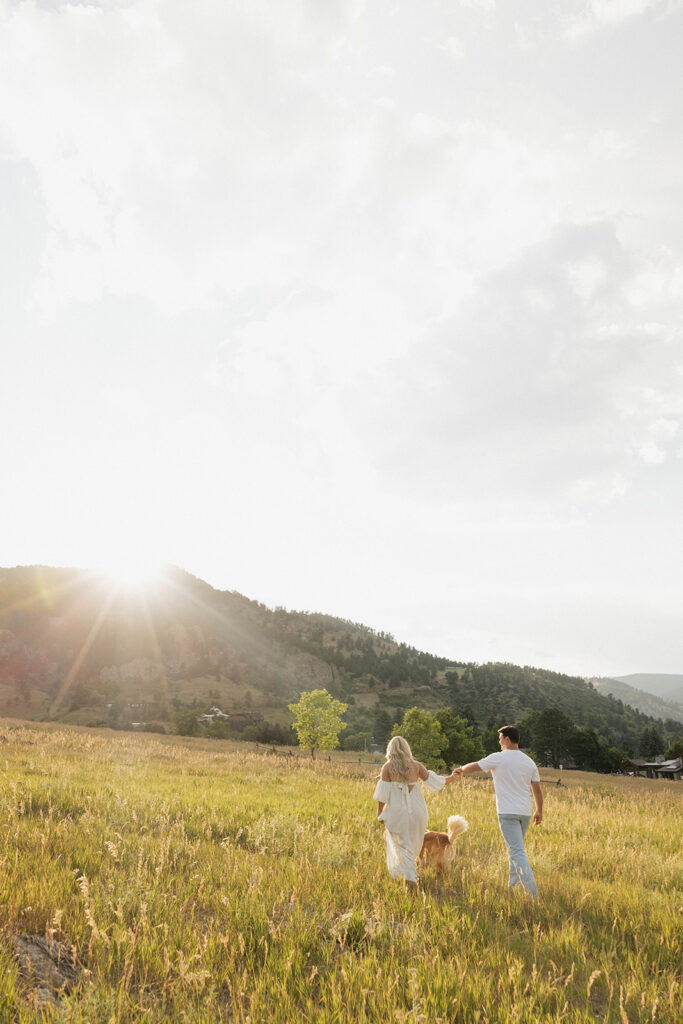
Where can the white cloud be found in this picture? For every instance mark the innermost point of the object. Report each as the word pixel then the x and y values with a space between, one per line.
pixel 383 71
pixel 478 5
pixel 588 275
pixel 525 394
pixel 665 428
pixel 603 14
pixel 168 164
pixel 454 48
pixel 651 453
pixel 611 144
pixel 427 126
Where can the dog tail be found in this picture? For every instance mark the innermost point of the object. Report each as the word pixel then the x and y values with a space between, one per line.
pixel 456 826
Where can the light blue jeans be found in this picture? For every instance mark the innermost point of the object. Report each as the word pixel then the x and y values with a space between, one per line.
pixel 513 827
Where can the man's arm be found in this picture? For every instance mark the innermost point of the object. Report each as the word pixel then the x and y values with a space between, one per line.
pixel 538 798
pixel 467 769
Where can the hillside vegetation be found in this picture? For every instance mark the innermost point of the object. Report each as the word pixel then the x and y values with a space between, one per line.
pixel 76 649
pixel 199 882
pixel 668 686
pixel 643 701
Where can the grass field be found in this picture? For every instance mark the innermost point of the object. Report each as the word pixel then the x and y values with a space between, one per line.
pixel 201 882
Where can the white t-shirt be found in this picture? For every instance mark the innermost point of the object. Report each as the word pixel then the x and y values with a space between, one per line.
pixel 513 772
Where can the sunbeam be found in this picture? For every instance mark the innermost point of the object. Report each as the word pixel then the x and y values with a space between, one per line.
pixel 87 644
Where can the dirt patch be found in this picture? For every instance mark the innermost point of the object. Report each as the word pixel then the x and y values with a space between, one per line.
pixel 48 968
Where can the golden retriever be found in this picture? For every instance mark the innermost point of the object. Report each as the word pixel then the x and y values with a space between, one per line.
pixel 438 848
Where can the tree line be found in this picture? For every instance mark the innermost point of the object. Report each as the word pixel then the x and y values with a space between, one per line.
pixel 443 738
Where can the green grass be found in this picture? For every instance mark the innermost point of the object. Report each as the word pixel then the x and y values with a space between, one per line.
pixel 201 882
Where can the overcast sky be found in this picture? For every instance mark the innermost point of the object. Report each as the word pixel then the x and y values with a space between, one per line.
pixel 355 306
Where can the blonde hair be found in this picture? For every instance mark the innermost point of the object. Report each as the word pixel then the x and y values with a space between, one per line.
pixel 399 757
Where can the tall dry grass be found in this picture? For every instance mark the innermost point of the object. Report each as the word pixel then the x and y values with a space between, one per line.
pixel 203 883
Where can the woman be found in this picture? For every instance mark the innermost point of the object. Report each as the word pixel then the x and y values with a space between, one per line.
pixel 402 807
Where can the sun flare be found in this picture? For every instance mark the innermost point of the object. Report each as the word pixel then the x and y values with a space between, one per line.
pixel 132 572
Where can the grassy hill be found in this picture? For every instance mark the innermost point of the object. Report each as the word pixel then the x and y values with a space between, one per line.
pixel 199 882
pixel 77 649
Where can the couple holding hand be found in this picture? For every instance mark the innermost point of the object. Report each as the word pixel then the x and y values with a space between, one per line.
pixel 402 807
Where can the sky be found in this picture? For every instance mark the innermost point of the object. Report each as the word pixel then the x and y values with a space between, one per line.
pixel 364 307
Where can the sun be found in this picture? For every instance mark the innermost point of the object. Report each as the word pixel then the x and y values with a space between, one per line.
pixel 132 572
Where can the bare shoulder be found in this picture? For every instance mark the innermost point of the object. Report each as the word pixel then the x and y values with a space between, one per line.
pixel 422 772
pixel 385 776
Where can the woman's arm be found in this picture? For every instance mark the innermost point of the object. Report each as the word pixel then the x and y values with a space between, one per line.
pixel 385 777
pixel 424 774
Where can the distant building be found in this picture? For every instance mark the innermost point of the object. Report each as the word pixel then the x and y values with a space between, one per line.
pixel 659 769
pixel 239 718
pixel 670 769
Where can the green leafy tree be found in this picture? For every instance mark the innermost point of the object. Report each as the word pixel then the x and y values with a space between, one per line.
pixel 425 736
pixel 357 740
pixel 615 757
pixel 489 737
pixel 589 752
pixel 358 732
pixel 551 734
pixel 462 745
pixel 651 742
pixel 675 750
pixel 186 724
pixel 468 714
pixel 220 730
pixel 452 680
pixel 317 720
pixel 381 727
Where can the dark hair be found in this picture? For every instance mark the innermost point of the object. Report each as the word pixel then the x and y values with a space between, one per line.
pixel 511 731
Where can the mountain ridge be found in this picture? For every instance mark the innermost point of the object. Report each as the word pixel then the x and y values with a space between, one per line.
pixel 667 686
pixel 642 700
pixel 76 648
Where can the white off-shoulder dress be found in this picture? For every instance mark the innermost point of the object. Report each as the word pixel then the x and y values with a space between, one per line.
pixel 405 818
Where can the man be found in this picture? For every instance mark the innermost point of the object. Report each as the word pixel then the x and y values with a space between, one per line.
pixel 515 777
